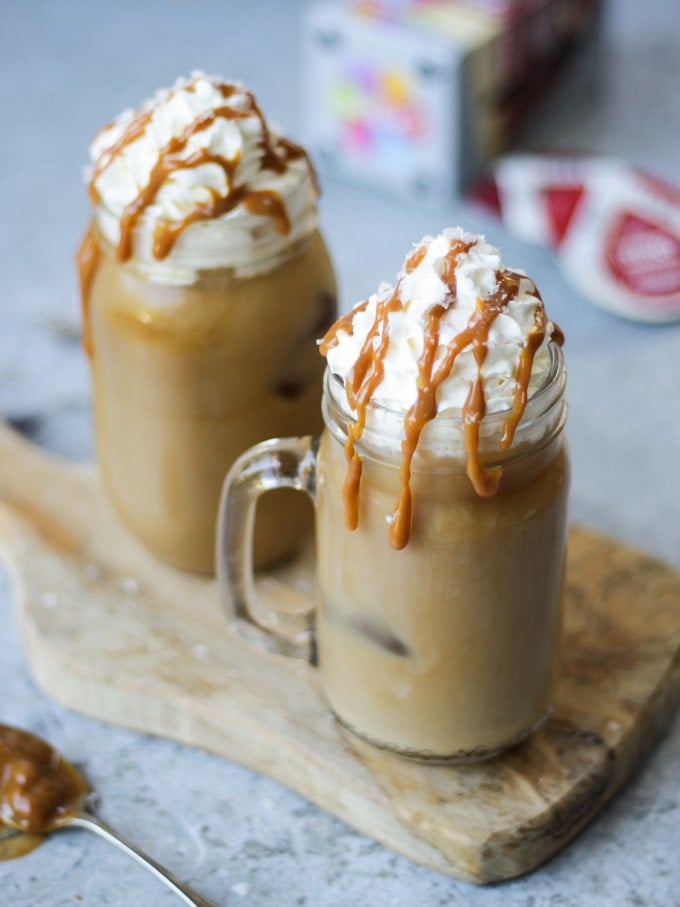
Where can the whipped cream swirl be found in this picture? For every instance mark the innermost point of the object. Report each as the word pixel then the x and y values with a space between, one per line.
pixel 458 335
pixel 421 290
pixel 195 179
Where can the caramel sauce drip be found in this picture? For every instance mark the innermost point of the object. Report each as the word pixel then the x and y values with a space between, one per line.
pixel 268 203
pixel 276 155
pixel 415 258
pixel 133 131
pixel 344 323
pixel 526 361
pixel 364 377
pixel 368 370
pixel 37 788
pixel 87 259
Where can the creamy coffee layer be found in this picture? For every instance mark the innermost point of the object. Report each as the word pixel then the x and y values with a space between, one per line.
pixel 183 388
pixel 205 284
pixel 446 648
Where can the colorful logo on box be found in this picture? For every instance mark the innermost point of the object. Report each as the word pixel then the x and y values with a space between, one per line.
pixel 385 10
pixel 378 111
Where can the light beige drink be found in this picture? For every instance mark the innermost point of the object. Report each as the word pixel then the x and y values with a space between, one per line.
pixel 440 485
pixel 204 290
pixel 445 648
pixel 186 378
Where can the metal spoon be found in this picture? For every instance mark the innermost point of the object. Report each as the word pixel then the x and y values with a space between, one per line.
pixel 41 792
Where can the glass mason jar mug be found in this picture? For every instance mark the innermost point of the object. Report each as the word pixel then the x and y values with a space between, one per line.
pixel 446 649
pixel 192 367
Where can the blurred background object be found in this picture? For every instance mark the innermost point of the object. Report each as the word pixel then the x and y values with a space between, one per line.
pixel 417 98
pixel 615 228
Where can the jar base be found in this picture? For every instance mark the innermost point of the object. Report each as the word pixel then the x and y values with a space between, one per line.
pixel 459 757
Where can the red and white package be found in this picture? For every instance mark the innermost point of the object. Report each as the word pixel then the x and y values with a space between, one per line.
pixel 616 230
pixel 538 194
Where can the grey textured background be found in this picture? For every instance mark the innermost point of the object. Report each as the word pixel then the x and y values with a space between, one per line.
pixel 65 68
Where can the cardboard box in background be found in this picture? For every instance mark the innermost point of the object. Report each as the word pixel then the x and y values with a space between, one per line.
pixel 418 97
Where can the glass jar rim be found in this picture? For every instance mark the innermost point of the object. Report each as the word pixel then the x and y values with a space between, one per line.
pixel 543 418
pixel 169 273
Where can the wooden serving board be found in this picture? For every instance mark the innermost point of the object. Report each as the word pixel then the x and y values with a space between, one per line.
pixel 110 631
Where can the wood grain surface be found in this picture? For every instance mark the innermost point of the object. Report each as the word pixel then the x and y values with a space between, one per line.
pixel 111 632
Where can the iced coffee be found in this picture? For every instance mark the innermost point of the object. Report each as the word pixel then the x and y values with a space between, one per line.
pixel 442 484
pixel 205 285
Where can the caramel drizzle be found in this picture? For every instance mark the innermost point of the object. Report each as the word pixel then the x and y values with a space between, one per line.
pixel 276 154
pixel 87 259
pixel 344 323
pixel 368 371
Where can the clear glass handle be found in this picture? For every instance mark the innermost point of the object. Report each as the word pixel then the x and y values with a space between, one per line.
pixel 279 463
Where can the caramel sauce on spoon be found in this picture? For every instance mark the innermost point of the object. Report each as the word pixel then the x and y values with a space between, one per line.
pixel 39 790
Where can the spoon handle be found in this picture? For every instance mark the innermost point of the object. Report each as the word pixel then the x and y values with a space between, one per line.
pixel 93 823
